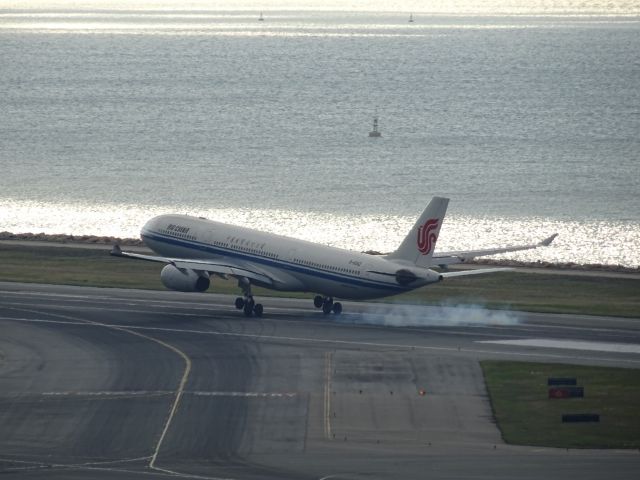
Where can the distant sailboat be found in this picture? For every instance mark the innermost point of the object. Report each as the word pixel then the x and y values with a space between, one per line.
pixel 375 132
pixel 411 18
pixel 261 18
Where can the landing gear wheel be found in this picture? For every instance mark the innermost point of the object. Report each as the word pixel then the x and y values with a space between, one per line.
pixel 327 306
pixel 246 304
pixel 248 307
pixel 318 301
pixel 337 308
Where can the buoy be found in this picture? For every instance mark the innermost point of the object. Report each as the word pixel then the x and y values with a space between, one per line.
pixel 375 132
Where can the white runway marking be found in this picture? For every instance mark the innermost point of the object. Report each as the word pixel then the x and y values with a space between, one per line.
pixel 108 393
pixel 31 465
pixel 141 393
pixel 245 394
pixel 569 345
pixel 178 393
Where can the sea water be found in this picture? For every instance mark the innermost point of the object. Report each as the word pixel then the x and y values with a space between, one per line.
pixel 528 119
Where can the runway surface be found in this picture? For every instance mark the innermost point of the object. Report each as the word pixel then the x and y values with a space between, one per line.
pixel 113 384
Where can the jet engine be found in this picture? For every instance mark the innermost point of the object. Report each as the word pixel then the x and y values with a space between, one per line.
pixel 184 279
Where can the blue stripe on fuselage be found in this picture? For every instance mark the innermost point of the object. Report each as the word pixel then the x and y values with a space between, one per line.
pixel 204 247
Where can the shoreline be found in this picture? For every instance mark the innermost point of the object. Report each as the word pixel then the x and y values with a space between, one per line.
pixel 70 239
pixel 98 241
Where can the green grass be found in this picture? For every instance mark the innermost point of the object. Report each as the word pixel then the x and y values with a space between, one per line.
pixel 75 266
pixel 513 290
pixel 526 416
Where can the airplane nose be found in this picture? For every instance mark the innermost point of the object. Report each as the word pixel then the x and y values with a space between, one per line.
pixel 149 227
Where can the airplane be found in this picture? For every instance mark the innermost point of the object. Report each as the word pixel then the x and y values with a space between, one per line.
pixel 194 249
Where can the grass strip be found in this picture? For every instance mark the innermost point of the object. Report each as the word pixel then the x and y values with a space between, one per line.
pixel 510 290
pixel 526 416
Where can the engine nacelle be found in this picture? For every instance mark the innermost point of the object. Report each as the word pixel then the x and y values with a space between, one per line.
pixel 184 280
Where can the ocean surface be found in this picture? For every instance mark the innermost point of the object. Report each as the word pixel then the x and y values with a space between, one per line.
pixel 528 120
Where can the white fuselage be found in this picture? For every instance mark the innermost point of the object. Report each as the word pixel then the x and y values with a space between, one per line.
pixel 294 265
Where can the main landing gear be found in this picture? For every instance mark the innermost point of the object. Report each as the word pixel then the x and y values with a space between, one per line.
pixel 327 304
pixel 246 303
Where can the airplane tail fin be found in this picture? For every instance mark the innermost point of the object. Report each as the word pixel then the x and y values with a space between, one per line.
pixel 419 244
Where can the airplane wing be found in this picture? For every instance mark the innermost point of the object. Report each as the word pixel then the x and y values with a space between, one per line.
pixel 226 267
pixel 449 258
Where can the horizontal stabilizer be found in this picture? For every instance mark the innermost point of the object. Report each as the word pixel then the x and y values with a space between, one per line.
pixel 479 271
pixel 450 258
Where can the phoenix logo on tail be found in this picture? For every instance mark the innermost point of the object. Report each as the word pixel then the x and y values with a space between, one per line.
pixel 427 237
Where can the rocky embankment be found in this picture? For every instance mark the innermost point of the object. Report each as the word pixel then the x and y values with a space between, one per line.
pixel 590 267
pixel 43 237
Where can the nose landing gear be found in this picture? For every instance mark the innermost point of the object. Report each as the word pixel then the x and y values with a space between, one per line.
pixel 327 304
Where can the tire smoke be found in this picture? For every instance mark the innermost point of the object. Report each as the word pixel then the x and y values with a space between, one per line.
pixel 394 315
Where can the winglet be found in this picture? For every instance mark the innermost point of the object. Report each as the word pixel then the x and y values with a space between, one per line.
pixel 547 241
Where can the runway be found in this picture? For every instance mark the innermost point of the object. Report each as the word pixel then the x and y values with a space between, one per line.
pixel 113 384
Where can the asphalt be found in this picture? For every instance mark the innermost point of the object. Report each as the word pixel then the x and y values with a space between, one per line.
pixel 113 384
